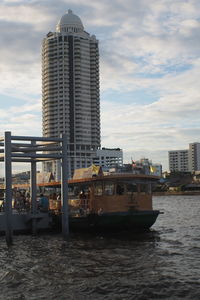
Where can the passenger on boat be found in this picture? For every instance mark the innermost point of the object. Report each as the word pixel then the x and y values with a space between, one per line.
pixel 83 202
pixel 2 206
pixel 28 202
pixel 43 203
pixel 120 189
pixel 19 201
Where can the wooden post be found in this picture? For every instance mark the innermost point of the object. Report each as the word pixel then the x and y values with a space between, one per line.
pixel 149 188
pixel 64 189
pixel 33 193
pixel 8 187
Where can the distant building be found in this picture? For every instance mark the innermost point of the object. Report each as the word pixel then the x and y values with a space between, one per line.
pixel 156 170
pixel 194 157
pixel 149 167
pixel 23 177
pixel 142 166
pixel 178 160
pixel 70 92
pixel 43 177
pixel 185 160
pixel 108 158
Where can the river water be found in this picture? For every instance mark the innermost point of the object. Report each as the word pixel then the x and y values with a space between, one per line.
pixel 161 264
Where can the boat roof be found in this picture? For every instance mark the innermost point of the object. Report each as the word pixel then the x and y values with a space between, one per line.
pixel 110 177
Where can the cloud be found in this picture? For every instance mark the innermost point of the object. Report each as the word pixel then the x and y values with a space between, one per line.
pixel 25 14
pixel 171 122
pixel 22 120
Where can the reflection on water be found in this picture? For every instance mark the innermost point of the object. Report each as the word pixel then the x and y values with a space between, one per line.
pixel 160 264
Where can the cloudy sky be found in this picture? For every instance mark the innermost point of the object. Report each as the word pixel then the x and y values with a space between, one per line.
pixel 149 64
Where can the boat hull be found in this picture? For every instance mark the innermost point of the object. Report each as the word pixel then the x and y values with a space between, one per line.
pixel 131 221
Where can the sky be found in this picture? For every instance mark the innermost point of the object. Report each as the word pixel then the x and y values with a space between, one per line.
pixel 149 70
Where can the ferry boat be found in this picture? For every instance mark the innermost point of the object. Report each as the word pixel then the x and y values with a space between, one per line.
pixel 107 202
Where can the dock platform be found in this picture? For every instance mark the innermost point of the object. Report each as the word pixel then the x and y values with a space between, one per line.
pixel 23 221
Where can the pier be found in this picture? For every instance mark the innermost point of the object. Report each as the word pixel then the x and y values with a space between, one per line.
pixel 31 150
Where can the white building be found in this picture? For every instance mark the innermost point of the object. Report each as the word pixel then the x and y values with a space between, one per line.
pixel 178 160
pixel 185 160
pixel 109 158
pixel 194 157
pixel 70 91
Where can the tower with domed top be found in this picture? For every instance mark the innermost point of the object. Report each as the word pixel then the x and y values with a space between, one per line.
pixel 70 91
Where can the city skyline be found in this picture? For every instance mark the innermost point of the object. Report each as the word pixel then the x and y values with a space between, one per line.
pixel 149 66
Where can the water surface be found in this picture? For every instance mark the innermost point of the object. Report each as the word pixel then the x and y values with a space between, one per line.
pixel 161 264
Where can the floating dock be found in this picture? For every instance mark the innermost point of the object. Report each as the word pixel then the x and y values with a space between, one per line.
pixel 22 222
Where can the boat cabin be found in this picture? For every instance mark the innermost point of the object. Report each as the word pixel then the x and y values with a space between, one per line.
pixel 107 193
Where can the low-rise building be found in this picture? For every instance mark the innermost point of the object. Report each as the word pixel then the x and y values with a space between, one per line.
pixel 108 158
pixel 156 169
pixel 146 166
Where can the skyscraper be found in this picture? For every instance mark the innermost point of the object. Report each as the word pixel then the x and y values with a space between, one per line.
pixel 70 91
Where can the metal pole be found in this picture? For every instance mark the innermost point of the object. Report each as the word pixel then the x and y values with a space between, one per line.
pixel 149 188
pixel 33 193
pixel 8 188
pixel 64 189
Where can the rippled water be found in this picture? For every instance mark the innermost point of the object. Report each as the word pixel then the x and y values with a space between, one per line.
pixel 161 264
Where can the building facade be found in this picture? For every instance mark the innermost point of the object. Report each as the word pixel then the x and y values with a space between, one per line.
pixel 70 91
pixel 156 170
pixel 144 165
pixel 178 160
pixel 185 160
pixel 109 158
pixel 194 157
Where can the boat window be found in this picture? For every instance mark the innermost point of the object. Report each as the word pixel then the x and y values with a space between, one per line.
pixel 109 188
pixel 98 189
pixel 73 192
pixel 70 190
pixel 144 188
pixel 85 188
pixel 120 190
pixel 131 188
